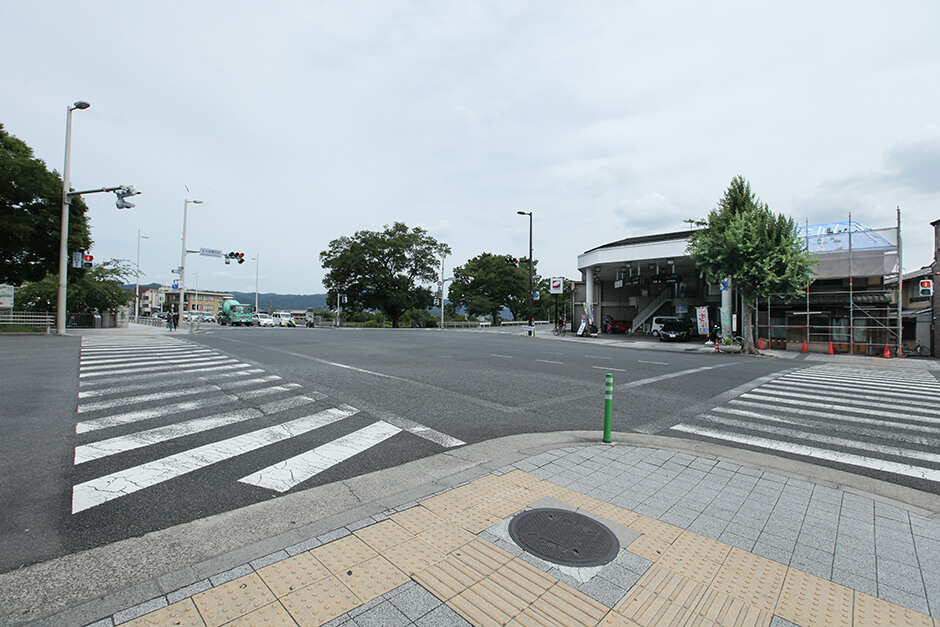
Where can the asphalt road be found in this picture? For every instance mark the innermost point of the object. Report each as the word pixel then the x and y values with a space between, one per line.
pixel 183 432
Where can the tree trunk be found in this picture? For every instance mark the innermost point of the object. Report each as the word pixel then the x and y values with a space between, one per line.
pixel 747 329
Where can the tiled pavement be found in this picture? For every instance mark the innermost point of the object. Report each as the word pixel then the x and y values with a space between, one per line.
pixel 711 543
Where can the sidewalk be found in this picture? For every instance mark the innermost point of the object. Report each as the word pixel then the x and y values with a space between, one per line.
pixel 707 535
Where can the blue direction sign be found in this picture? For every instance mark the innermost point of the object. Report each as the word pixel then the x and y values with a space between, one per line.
pixel 210 252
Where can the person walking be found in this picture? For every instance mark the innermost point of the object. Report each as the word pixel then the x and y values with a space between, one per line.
pixel 174 321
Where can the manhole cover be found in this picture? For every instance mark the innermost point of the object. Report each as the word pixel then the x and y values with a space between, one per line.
pixel 563 537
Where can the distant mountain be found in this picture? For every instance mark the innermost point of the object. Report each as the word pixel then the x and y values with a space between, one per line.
pixel 272 302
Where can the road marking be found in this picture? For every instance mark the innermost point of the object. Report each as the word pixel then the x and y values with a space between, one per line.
pixel 501 356
pixel 231 363
pixel 658 363
pixel 138 387
pixel 608 368
pixel 120 444
pixel 115 485
pixel 597 357
pixel 284 475
pixel 549 361
pixel 858 398
pixel 850 459
pixel 138 356
pixel 154 362
pixel 886 396
pixel 779 400
pixel 175 373
pixel 895 426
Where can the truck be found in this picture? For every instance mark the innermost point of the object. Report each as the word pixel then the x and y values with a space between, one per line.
pixel 234 313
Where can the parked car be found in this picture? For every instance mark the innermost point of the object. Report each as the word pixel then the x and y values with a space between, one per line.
pixel 658 322
pixel 620 326
pixel 262 320
pixel 674 330
pixel 205 316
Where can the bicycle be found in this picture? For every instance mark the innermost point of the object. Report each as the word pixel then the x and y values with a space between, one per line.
pixel 560 328
pixel 918 351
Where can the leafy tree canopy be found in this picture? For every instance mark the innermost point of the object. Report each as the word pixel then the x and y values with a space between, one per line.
pixel 381 270
pixel 31 215
pixel 101 288
pixel 761 252
pixel 493 285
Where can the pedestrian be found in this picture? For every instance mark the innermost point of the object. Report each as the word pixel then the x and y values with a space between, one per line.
pixel 175 319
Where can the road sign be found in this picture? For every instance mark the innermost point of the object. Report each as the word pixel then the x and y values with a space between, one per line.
pixel 176 286
pixel 556 286
pixel 210 252
pixel 177 270
pixel 535 296
pixel 6 297
pixel 77 258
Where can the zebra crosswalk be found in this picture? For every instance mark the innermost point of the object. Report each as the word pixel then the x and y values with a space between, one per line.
pixel 146 393
pixel 870 418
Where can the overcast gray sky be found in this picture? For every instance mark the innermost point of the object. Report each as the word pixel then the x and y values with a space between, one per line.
pixel 300 122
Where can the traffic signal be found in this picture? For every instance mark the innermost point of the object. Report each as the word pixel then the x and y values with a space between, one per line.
pixel 512 261
pixel 926 287
pixel 87 261
pixel 122 194
pixel 239 257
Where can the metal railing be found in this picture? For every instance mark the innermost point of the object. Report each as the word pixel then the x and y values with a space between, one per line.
pixel 27 318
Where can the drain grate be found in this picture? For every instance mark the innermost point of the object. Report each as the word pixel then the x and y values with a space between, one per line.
pixel 563 537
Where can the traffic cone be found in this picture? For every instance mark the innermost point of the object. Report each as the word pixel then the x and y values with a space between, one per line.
pixel 831 352
pixel 805 348
pixel 887 352
pixel 761 344
pixel 900 352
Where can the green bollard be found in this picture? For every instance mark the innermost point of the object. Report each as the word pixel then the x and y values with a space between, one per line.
pixel 608 406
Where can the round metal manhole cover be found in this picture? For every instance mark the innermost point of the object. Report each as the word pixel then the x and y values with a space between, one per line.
pixel 563 537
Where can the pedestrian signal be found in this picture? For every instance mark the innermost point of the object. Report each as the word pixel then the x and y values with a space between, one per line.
pixel 88 261
pixel 926 287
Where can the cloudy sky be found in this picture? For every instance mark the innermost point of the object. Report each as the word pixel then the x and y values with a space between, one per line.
pixel 299 122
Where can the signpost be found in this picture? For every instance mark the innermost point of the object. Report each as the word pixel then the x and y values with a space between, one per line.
pixel 210 252
pixel 6 297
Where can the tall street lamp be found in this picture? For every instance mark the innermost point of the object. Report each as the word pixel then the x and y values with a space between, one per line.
pixel 137 289
pixel 64 236
pixel 186 204
pixel 529 213
pixel 257 261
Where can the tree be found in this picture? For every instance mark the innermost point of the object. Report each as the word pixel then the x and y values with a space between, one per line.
pixel 380 270
pixel 760 251
pixel 99 289
pixel 31 215
pixel 493 286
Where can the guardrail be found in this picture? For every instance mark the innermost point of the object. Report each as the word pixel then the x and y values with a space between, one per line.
pixel 522 323
pixel 27 318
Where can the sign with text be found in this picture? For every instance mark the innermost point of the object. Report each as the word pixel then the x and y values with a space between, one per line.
pixel 210 252
pixel 556 286
pixel 6 297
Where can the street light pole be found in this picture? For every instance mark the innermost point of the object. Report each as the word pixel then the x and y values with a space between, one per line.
pixel 257 260
pixel 64 236
pixel 186 204
pixel 137 289
pixel 529 213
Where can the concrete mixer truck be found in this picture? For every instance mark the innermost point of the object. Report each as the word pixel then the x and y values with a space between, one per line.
pixel 234 313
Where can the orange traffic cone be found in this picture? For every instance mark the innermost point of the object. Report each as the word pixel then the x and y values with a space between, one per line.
pixel 887 352
pixel 831 352
pixel 900 352
pixel 761 344
pixel 805 348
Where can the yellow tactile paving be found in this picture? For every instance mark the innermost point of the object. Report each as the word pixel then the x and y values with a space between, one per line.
pixel 809 600
pixel 372 578
pixel 413 556
pixel 523 580
pixel 273 614
pixel 417 519
pixel 581 501
pixel 340 554
pixel 507 504
pixel 320 602
pixel 236 598
pixel 441 505
pixel 522 478
pixel 660 597
pixel 656 529
pixel 481 557
pixel 755 580
pixel 478 609
pixel 293 573
pixel 474 520
pixel 446 537
pixel 690 559
pixel 182 613
pixel 649 547
pixel 383 535
pixel 613 619
pixel 870 610
pixel 448 578
pixel 717 608
pixel 569 606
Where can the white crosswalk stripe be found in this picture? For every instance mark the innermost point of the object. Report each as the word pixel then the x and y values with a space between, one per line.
pixel 170 387
pixel 870 418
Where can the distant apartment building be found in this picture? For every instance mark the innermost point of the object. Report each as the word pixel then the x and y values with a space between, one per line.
pixel 197 300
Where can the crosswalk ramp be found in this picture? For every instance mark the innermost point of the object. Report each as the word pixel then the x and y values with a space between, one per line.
pixel 870 418
pixel 199 407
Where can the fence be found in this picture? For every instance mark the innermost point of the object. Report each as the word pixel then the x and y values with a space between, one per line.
pixel 47 320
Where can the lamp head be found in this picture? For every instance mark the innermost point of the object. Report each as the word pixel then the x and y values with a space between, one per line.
pixel 81 104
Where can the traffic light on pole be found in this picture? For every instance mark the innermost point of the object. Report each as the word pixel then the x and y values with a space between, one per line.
pixel 239 257
pixel 926 287
pixel 512 261
pixel 87 261
pixel 122 194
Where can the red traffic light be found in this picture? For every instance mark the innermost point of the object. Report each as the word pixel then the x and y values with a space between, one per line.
pixel 87 258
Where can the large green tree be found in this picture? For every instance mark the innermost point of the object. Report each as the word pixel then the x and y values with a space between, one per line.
pixel 761 252
pixel 31 215
pixel 383 270
pixel 492 284
pixel 99 289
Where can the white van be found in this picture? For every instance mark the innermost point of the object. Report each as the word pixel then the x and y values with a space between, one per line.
pixel 281 318
pixel 658 322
